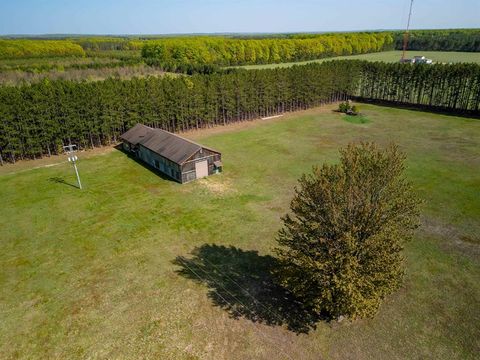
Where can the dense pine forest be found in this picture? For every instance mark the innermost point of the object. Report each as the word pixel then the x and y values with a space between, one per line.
pixel 449 87
pixel 38 119
pixel 441 40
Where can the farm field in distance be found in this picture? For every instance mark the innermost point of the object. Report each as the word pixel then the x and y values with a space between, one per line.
pixel 104 272
pixel 92 57
pixel 390 56
pixel 95 66
pixel 99 65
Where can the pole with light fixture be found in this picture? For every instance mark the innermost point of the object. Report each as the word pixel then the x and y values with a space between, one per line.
pixel 70 150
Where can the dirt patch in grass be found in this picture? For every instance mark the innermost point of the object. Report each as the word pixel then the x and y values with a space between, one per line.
pixel 218 186
pixel 468 244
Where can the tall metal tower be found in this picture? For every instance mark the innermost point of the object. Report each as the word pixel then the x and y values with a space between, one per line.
pixel 406 34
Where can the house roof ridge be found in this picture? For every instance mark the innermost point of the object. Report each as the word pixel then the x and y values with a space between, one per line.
pixel 164 142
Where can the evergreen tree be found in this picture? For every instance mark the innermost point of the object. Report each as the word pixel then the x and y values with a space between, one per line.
pixel 37 119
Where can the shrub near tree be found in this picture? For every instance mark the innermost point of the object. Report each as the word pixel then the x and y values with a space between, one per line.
pixel 347 108
pixel 341 246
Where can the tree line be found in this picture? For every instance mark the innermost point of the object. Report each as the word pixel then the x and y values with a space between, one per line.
pixel 38 119
pixel 38 48
pixel 242 49
pixel 223 51
pixel 101 43
pixel 449 87
pixel 441 40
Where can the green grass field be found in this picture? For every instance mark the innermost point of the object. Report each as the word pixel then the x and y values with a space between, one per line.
pixel 390 56
pixel 104 272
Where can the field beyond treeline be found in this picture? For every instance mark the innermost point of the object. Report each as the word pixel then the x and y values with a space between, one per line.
pixel 273 49
pixel 29 60
pixel 244 49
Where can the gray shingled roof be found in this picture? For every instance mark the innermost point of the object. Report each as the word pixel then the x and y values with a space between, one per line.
pixel 164 143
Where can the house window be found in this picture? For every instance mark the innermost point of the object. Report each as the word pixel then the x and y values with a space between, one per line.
pixel 157 164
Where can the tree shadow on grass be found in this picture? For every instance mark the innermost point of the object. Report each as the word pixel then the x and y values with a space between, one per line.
pixel 60 180
pixel 241 283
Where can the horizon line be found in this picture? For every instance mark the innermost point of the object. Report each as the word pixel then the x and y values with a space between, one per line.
pixel 225 33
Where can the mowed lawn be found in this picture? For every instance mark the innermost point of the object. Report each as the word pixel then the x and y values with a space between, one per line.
pixel 391 57
pixel 136 266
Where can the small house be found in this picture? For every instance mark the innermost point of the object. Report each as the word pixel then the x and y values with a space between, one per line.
pixel 180 159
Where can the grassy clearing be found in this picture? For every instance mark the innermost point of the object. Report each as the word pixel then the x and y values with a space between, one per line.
pixel 115 54
pixel 93 57
pixel 390 56
pixel 97 65
pixel 58 61
pixel 102 273
pixel 13 78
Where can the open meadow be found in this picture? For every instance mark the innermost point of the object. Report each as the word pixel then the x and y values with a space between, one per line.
pixel 138 266
pixel 390 57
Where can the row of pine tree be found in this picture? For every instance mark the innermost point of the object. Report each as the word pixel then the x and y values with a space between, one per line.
pixel 38 119
pixel 441 40
pixel 448 87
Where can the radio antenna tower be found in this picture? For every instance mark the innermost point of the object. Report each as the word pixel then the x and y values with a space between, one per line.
pixel 70 150
pixel 406 34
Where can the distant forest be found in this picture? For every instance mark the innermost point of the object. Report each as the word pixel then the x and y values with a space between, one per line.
pixel 22 48
pixel 441 40
pixel 38 119
pixel 186 52
pixel 244 49
pixel 229 51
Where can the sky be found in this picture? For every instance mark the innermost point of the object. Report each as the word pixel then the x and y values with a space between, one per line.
pixel 222 16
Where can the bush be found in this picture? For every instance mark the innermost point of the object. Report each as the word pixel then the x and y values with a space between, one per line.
pixel 341 246
pixel 347 108
pixel 343 107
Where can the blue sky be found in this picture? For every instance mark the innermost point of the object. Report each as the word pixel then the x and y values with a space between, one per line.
pixel 209 16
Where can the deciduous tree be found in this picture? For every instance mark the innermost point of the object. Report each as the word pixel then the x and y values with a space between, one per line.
pixel 341 245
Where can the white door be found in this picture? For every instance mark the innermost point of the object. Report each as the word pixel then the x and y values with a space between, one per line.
pixel 201 169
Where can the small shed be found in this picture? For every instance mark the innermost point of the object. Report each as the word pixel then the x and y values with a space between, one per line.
pixel 180 159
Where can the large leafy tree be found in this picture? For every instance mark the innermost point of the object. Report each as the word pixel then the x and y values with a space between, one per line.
pixel 341 245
